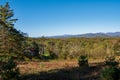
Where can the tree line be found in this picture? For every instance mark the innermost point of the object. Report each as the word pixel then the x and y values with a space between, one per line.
pixel 70 48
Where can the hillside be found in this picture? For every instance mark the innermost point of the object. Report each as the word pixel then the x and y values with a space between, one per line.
pixel 88 35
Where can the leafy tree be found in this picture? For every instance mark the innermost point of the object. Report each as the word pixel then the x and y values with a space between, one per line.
pixel 35 46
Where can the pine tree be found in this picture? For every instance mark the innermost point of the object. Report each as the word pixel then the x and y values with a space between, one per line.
pixel 11 39
pixel 6 15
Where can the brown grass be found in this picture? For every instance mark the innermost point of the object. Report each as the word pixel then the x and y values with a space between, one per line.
pixel 60 70
pixel 36 67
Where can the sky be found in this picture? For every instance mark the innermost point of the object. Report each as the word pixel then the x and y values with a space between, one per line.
pixel 59 17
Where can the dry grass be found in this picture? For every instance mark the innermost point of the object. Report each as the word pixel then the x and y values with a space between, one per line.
pixel 60 70
pixel 36 67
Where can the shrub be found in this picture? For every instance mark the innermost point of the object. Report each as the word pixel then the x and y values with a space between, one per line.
pixel 83 61
pixel 110 74
pixel 111 70
pixel 110 62
pixel 45 56
pixel 8 69
pixel 53 56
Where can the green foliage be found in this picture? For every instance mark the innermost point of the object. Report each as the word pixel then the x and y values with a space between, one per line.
pixel 53 56
pixel 70 48
pixel 35 47
pixel 111 71
pixel 110 74
pixel 11 40
pixel 117 48
pixel 6 15
pixel 45 56
pixel 83 61
pixel 31 50
pixel 8 69
pixel 110 62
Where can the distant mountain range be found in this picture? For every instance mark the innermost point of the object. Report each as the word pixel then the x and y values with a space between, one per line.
pixel 89 35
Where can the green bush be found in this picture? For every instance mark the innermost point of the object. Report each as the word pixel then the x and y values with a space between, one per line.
pixel 111 70
pixel 83 61
pixel 53 56
pixel 110 74
pixel 110 62
pixel 8 69
pixel 45 56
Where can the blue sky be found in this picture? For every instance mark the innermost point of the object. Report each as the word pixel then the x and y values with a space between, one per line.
pixel 59 17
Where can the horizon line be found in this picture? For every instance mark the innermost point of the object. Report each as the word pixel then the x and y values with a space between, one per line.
pixel 73 34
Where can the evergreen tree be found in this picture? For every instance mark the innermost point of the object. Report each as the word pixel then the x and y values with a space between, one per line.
pixel 11 39
pixel 6 15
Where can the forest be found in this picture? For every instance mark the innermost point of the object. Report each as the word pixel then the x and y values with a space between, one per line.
pixel 26 58
pixel 71 48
